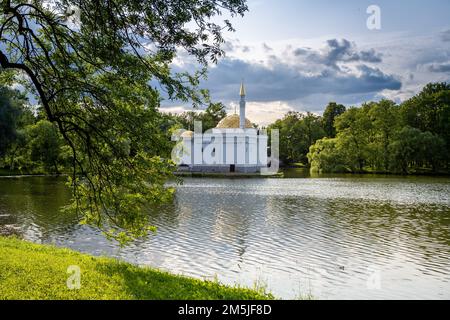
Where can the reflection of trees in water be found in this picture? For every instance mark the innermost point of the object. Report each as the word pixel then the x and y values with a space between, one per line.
pixel 281 232
pixel 168 215
pixel 34 204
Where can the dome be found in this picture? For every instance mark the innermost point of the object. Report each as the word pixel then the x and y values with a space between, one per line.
pixel 187 134
pixel 232 122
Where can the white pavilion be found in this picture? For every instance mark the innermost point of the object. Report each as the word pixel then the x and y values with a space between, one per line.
pixel 234 145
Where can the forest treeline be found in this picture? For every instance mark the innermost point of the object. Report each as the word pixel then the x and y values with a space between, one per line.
pixel 30 144
pixel 385 137
pixel 411 137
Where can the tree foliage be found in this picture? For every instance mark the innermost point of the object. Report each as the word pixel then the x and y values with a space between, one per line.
pixel 414 148
pixel 384 137
pixel 331 112
pixel 326 156
pixel 45 145
pixel 298 132
pixel 96 67
pixel 209 118
pixel 11 109
pixel 430 111
pixel 34 145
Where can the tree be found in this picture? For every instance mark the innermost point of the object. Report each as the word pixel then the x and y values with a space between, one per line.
pixel 298 132
pixel 212 115
pixel 385 122
pixel 311 127
pixel 185 121
pixel 331 112
pixel 414 149
pixel 290 144
pixel 92 65
pixel 362 138
pixel 354 129
pixel 11 109
pixel 45 145
pixel 325 156
pixel 430 111
pixel 187 118
pixel 373 137
pixel 16 156
pixel 307 131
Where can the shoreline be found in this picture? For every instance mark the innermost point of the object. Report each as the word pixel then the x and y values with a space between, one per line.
pixel 279 174
pixel 42 272
pixel 283 173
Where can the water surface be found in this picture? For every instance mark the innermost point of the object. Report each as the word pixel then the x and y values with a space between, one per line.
pixel 333 237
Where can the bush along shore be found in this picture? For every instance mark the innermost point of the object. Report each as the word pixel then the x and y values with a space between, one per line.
pixel 34 271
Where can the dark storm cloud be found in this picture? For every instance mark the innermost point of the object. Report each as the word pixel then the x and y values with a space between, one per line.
pixel 370 56
pixel 337 71
pixel 439 67
pixel 339 51
pixel 283 82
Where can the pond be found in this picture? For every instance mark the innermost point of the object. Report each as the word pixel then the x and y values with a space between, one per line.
pixel 332 237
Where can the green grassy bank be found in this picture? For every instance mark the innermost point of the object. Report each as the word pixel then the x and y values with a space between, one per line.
pixel 33 271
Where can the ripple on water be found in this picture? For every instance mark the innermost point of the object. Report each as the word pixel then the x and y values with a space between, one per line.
pixel 325 236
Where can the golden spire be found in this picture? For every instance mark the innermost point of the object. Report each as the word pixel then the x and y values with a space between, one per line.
pixel 242 91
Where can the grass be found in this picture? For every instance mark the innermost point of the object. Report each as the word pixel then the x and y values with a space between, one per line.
pixel 33 271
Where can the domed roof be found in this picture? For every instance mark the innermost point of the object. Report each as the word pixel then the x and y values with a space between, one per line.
pixel 232 122
pixel 187 134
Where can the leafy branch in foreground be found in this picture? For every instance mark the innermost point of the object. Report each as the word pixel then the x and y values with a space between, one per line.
pixel 95 67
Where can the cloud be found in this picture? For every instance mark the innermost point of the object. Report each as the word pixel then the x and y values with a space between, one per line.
pixel 266 47
pixel 282 81
pixel 370 56
pixel 298 78
pixel 263 113
pixel 228 46
pixel 173 109
pixel 439 67
pixel 234 45
pixel 445 35
pixel 301 51
pixel 338 51
pixel 344 51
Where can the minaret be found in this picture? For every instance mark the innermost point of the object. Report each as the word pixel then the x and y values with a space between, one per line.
pixel 242 107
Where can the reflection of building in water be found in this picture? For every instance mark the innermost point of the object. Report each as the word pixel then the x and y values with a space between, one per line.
pixel 232 226
pixel 233 146
pixel 236 218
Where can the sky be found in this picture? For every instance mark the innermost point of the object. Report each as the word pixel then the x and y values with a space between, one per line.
pixel 298 55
